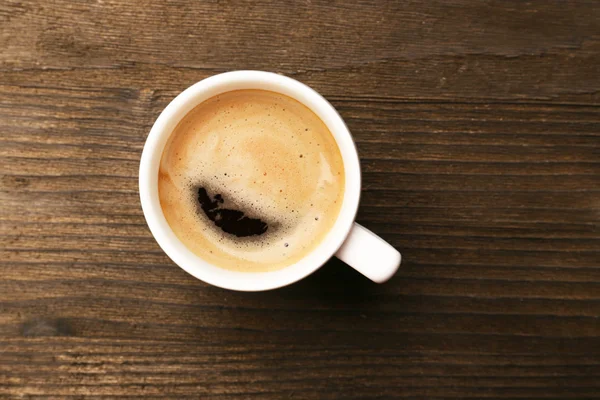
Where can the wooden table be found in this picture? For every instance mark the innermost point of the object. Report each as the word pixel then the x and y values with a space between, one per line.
pixel 478 125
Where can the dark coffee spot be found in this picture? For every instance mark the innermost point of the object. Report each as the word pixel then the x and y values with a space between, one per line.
pixel 231 221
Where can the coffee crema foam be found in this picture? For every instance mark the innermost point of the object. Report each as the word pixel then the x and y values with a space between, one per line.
pixel 251 180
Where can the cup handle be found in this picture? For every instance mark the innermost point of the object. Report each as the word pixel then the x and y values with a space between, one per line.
pixel 369 254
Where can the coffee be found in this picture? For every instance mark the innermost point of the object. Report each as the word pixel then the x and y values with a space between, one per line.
pixel 251 180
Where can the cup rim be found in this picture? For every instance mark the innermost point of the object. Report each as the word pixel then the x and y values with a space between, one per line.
pixel 152 153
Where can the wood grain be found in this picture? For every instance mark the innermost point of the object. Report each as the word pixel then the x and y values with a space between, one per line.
pixel 478 126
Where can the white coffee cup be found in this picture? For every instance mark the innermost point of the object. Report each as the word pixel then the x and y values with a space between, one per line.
pixel 347 240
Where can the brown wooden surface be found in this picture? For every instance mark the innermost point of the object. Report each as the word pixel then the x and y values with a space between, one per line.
pixel 478 124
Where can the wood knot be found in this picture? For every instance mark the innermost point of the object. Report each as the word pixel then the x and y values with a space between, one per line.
pixel 14 182
pixel 38 327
